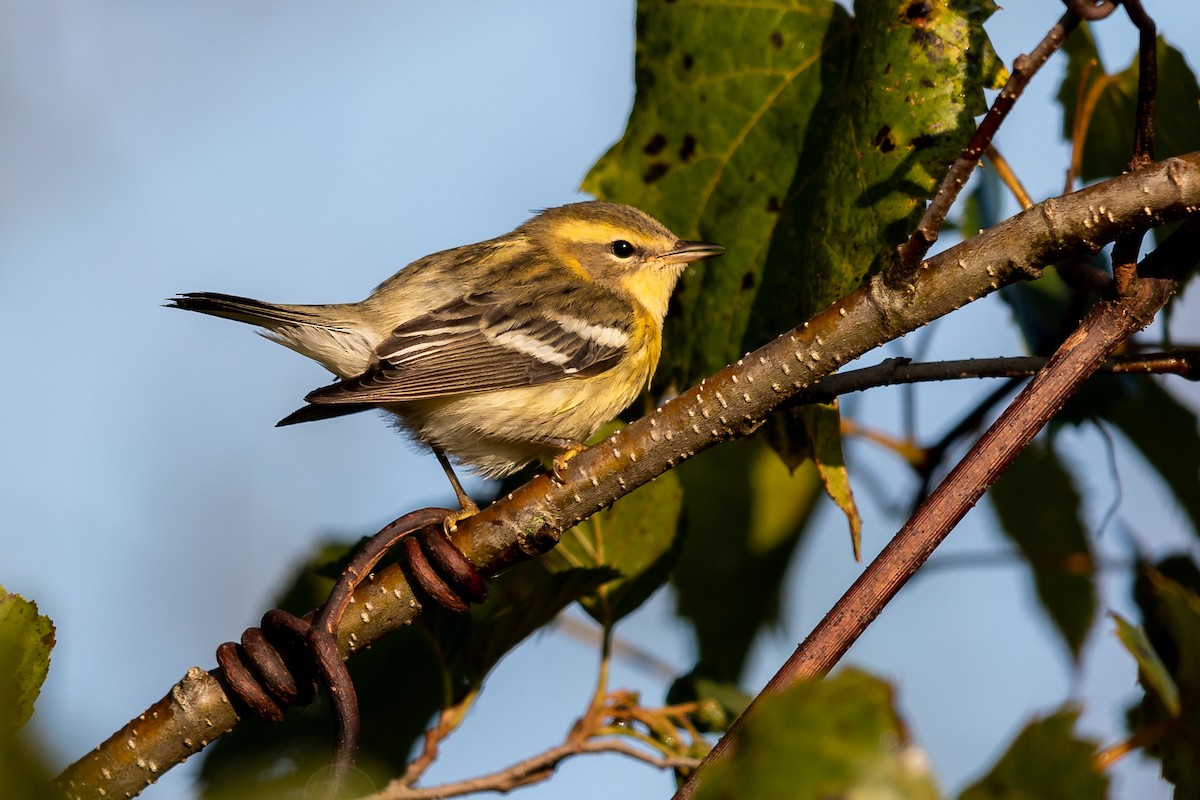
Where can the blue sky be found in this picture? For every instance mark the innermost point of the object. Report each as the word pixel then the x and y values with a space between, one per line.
pixel 302 152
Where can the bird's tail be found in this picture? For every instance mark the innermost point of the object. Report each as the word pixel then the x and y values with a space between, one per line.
pixel 243 309
pixel 333 335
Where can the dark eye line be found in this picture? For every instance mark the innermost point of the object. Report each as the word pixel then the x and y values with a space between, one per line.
pixel 622 249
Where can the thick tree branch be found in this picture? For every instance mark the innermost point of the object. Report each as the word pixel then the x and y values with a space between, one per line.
pixel 1105 328
pixel 727 405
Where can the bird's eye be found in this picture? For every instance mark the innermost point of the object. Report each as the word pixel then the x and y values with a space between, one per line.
pixel 623 249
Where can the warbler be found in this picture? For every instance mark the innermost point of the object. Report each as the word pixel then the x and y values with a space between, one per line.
pixel 498 353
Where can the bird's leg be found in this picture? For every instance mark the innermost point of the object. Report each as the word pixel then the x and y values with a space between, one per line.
pixel 570 448
pixel 467 506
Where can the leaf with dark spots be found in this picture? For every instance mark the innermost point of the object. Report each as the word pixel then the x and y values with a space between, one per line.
pixel 930 42
pixel 655 145
pixel 688 148
pixel 748 281
pixel 925 140
pixel 654 171
pixel 918 11
pixel 883 140
pixel 796 111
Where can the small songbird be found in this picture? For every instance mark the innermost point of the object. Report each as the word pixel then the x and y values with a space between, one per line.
pixel 498 353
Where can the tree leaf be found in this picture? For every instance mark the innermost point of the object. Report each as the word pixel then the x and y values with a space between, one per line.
pixel 1113 102
pixel 1163 430
pixel 900 100
pixel 636 538
pixel 1038 507
pixel 1170 603
pixel 824 423
pixel 1153 674
pixel 838 737
pixel 744 513
pixel 729 139
pixel 1044 762
pixel 724 95
pixel 26 639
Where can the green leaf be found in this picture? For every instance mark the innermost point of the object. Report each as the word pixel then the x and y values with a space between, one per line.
pixel 744 515
pixel 898 107
pixel 824 424
pixel 1143 410
pixel 1152 672
pixel 1113 100
pixel 23 771
pixel 26 639
pixel 838 737
pixel 636 538
pixel 1168 597
pixel 1163 430
pixel 724 97
pixel 802 140
pixel 1038 507
pixel 1045 762
pixel 524 600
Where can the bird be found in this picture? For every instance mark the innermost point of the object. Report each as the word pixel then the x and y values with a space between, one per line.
pixel 499 353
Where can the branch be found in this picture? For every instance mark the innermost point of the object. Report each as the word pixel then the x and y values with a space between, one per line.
pixel 531 770
pixel 897 371
pixel 1106 327
pixel 730 404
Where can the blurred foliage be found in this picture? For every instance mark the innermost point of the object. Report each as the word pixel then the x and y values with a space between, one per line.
pixel 1045 762
pixel 1052 539
pixel 1168 716
pixel 744 513
pixel 1106 103
pixel 839 737
pixel 26 639
pixel 636 538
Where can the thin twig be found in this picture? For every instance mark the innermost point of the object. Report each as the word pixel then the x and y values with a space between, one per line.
pixel 1126 249
pixel 1008 177
pixel 1146 736
pixel 897 371
pixel 531 770
pixel 1143 137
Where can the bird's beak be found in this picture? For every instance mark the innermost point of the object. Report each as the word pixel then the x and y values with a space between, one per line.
pixel 687 252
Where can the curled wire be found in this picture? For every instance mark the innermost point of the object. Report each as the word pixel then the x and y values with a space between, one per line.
pixel 283 661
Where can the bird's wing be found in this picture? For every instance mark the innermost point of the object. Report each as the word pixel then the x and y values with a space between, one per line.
pixel 481 343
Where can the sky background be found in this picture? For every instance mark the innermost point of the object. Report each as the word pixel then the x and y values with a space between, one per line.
pixel 302 152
